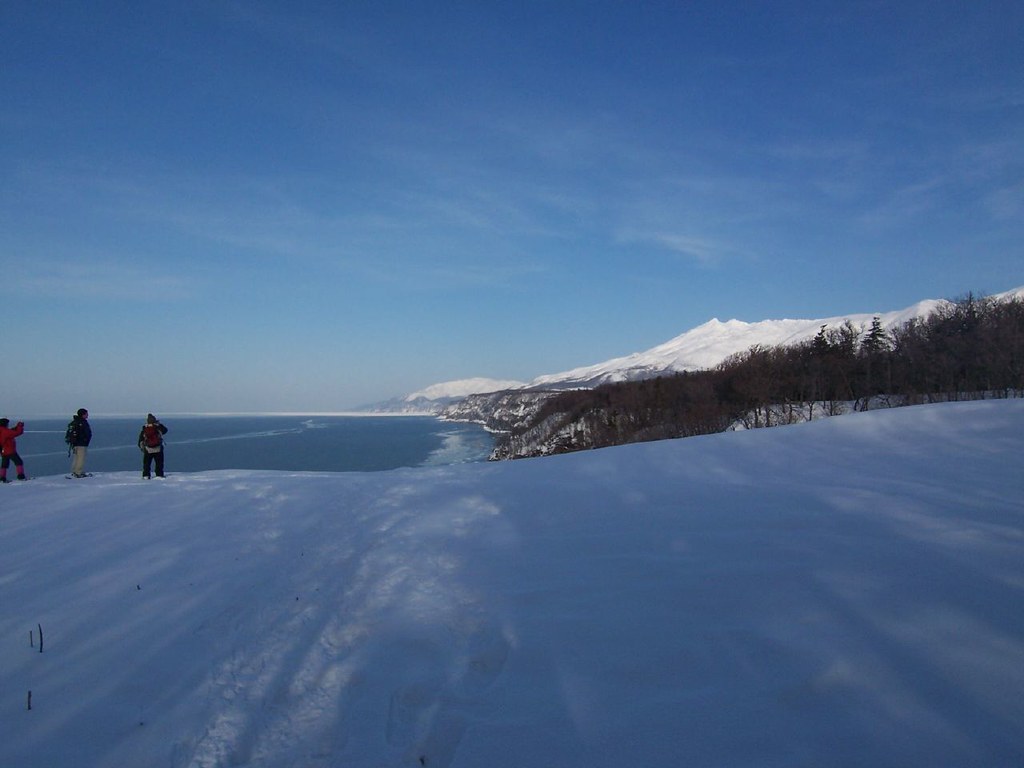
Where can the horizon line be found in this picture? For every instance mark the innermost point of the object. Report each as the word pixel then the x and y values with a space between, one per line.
pixel 229 414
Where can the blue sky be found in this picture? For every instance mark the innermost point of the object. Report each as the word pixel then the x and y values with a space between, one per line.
pixel 210 206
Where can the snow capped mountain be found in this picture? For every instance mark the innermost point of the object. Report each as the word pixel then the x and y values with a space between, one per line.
pixel 702 347
pixel 709 344
pixel 437 397
pixel 462 388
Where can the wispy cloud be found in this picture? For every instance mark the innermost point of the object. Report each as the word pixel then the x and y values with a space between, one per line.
pixel 88 278
pixel 906 204
pixel 989 97
pixel 1007 203
pixel 702 250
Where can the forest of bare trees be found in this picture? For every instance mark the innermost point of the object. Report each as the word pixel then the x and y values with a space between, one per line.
pixel 968 349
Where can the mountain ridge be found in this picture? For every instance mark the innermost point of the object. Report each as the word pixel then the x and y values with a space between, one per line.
pixel 702 347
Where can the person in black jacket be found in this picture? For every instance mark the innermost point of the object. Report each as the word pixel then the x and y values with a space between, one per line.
pixel 151 443
pixel 78 437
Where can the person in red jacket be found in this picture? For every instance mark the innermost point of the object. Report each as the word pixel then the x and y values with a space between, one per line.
pixel 9 449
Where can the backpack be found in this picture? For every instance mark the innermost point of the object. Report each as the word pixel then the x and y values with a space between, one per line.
pixel 151 436
pixel 71 433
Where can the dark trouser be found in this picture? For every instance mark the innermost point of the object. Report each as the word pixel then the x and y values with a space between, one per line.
pixel 147 462
pixel 19 465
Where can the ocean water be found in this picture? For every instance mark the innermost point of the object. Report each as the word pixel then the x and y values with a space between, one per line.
pixel 292 443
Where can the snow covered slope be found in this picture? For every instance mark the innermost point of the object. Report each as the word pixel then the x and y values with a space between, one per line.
pixel 463 387
pixel 436 397
pixel 708 345
pixel 702 347
pixel 841 593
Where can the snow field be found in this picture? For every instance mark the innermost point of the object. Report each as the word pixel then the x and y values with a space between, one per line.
pixel 844 592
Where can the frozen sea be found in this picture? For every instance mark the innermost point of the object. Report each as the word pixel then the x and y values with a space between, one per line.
pixel 293 443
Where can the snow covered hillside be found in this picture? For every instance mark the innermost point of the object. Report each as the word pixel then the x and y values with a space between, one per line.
pixel 463 387
pixel 709 344
pixel 700 348
pixel 436 397
pixel 839 593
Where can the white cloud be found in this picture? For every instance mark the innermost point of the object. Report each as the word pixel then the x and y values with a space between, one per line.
pixel 702 250
pixel 87 278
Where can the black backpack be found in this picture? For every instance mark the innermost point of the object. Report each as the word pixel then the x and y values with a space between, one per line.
pixel 71 433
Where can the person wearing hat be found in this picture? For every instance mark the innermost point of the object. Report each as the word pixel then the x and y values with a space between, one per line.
pixel 151 443
pixel 9 449
pixel 78 436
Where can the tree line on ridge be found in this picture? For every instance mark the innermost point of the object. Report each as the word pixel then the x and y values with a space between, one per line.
pixel 967 349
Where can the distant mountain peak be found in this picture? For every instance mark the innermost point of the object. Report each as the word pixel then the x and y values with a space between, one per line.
pixel 463 388
pixel 700 348
pixel 712 342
